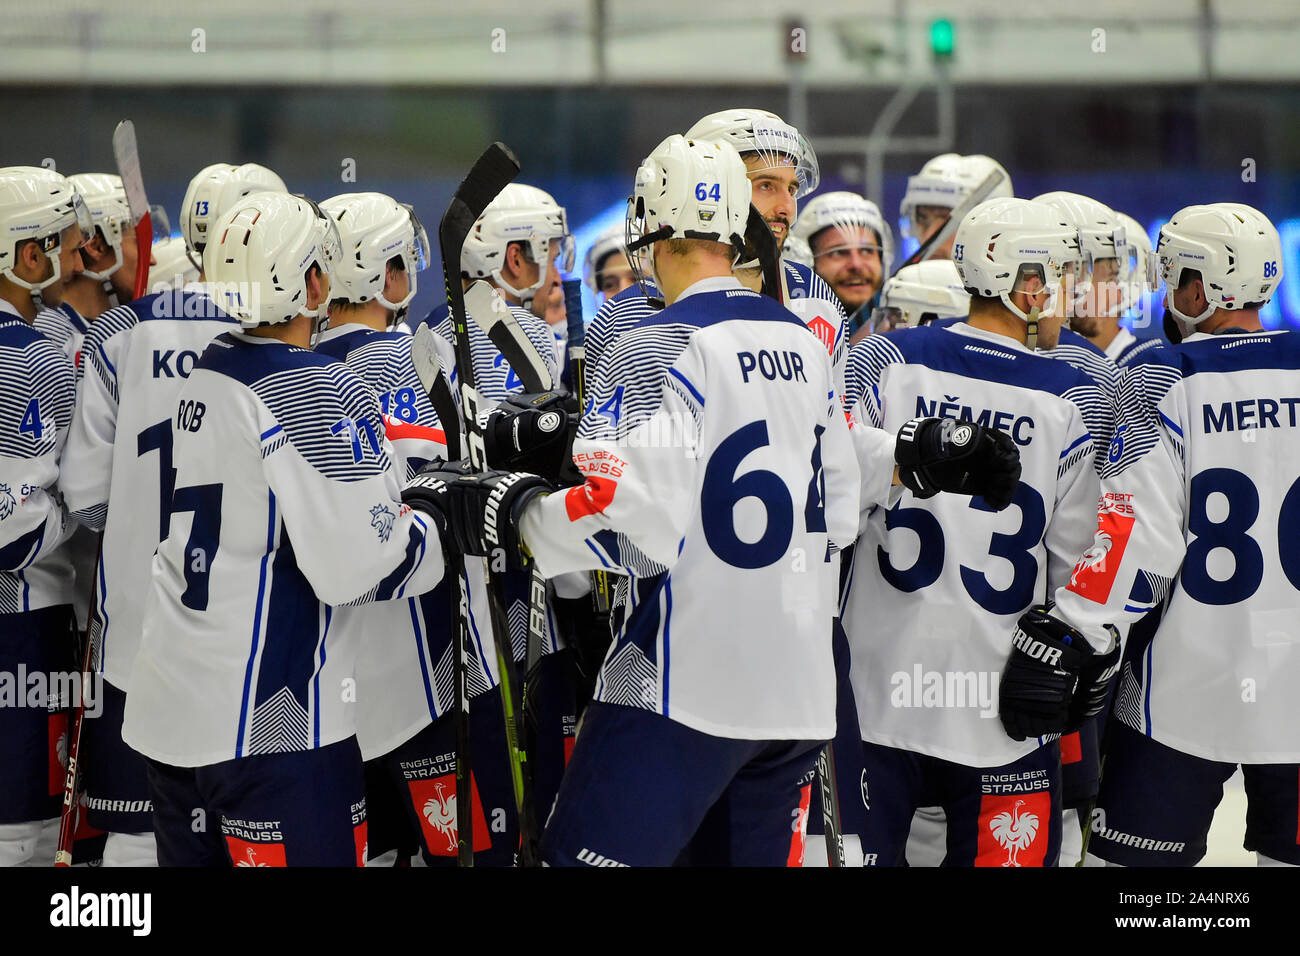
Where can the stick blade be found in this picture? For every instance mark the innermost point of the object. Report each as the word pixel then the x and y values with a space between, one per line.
pixel 492 171
pixel 491 314
pixel 425 358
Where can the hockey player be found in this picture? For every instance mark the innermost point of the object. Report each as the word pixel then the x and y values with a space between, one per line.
pixel 286 503
pixel 700 745
pixel 853 250
pixel 941 185
pixel 109 259
pixel 936 583
pixel 921 293
pixel 782 168
pixel 212 191
pixel 404 705
pixel 1199 517
pixel 605 268
pixel 1138 276
pixel 43 224
pixel 120 454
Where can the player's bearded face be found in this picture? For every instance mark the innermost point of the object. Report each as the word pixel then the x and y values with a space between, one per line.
pixel 773 189
pixel 849 260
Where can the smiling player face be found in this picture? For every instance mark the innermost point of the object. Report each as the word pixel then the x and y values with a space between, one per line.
pixel 773 193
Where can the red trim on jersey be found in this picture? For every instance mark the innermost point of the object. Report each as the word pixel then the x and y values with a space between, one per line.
pixel 590 498
pixel 361 839
pixel 434 801
pixel 395 428
pixel 1094 575
pixel 244 854
pixel 1071 748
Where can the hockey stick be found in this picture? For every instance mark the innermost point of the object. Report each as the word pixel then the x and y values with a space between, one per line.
pixel 428 368
pixel 127 155
pixel 490 174
pixel 761 244
pixel 492 315
pixel 70 815
pixel 959 212
pixel 600 593
pixel 830 807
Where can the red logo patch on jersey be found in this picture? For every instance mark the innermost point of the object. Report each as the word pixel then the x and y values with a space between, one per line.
pixel 825 331
pixel 1094 575
pixel 799 838
pixel 58 751
pixel 1071 748
pixel 590 498
pixel 435 802
pixel 1013 829
pixel 243 853
pixel 361 840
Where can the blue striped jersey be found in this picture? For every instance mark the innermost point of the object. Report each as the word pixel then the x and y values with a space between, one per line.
pixel 65 327
pixel 720 479
pixel 404 669
pixel 286 504
pixel 37 393
pixel 120 468
pixel 1201 516
pixel 937 585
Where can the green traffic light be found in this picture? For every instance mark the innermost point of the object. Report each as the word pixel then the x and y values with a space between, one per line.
pixel 941 38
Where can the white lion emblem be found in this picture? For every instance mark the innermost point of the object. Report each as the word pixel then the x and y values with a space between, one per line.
pixel 381 519
pixel 1094 559
pixel 7 502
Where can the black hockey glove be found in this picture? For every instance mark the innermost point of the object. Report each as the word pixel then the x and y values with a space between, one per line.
pixel 430 492
pixel 939 454
pixel 1038 683
pixel 486 509
pixel 534 433
pixel 1095 677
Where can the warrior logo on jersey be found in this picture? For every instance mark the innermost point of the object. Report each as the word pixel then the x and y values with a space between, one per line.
pixel 7 502
pixel 381 519
pixel 1094 575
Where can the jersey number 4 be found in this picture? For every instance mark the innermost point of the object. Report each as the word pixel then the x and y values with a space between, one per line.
pixel 723 490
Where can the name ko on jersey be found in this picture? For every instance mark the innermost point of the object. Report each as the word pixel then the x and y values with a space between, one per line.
pixel 1019 427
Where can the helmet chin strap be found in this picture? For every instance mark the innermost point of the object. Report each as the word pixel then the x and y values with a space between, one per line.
pixel 1188 322
pixel 1031 329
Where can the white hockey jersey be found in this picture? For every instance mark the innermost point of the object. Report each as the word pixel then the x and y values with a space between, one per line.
pixel 286 502
pixel 37 394
pixel 938 584
pixel 66 328
pixel 119 474
pixel 404 664
pixel 1201 514
pixel 720 480
pixel 810 298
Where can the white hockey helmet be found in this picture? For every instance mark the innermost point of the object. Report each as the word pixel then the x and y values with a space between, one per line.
pixel 106 200
pixel 608 242
pixel 1101 234
pixel 797 250
pixel 1003 241
pixel 375 228
pixel 945 181
pixel 1234 247
pixel 1139 272
pixel 37 203
pixel 932 287
pixel 214 190
pixel 258 254
pixel 172 267
pixel 847 212
pixel 762 132
pixel 686 189
pixel 519 213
